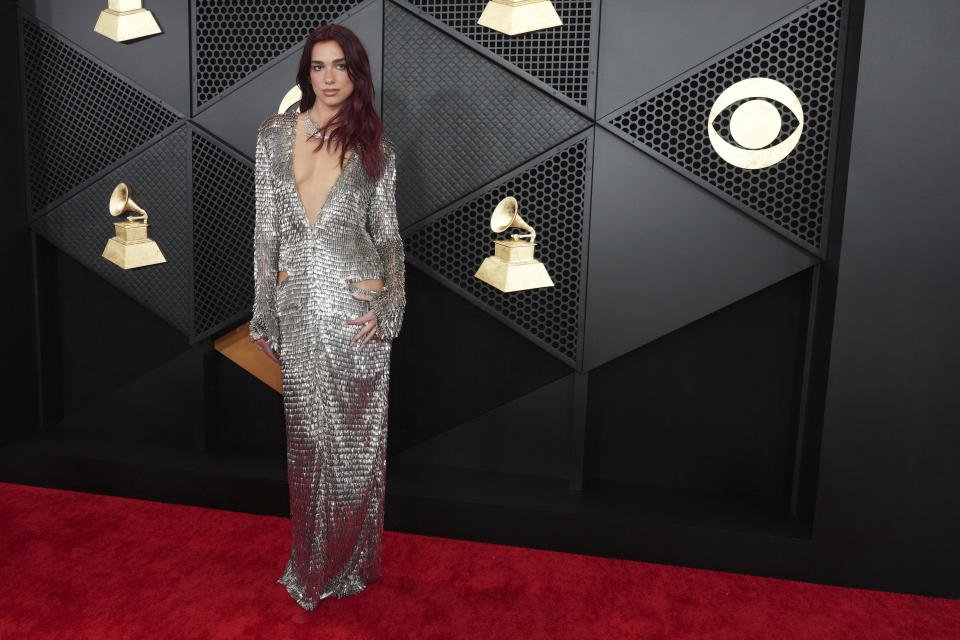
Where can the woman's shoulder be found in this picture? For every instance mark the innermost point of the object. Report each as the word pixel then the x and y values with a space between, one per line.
pixel 277 123
pixel 387 146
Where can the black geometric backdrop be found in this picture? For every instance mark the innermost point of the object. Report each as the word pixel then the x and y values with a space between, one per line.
pixel 475 115
pixel 158 176
pixel 223 216
pixel 801 52
pixel 456 136
pixel 81 116
pixel 232 40
pixel 563 59
pixel 645 231
pixel 554 188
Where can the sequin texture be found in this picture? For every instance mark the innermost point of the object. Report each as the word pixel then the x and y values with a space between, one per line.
pixel 335 392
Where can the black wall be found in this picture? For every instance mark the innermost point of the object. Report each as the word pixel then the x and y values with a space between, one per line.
pixel 890 481
pixel 16 245
pixel 702 388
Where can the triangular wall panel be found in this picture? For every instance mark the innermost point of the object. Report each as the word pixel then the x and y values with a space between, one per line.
pixel 160 63
pixel 663 254
pixel 236 116
pixel 223 221
pixel 81 117
pixel 561 57
pixel 458 119
pixel 553 197
pixel 158 178
pixel 235 39
pixel 790 196
pixel 638 49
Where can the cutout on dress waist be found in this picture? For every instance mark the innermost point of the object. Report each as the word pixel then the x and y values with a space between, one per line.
pixel 362 287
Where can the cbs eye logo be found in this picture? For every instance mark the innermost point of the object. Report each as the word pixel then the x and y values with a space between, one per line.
pixel 755 123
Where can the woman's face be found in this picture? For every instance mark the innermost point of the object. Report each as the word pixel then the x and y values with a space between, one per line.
pixel 328 74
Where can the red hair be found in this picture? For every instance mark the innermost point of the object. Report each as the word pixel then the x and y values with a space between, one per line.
pixel 356 124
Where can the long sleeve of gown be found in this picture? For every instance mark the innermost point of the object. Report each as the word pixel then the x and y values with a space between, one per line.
pixel 265 239
pixel 388 305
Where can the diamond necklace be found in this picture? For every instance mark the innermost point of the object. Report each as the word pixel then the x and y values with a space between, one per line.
pixel 312 128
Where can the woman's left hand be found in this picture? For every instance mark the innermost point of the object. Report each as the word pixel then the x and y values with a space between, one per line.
pixel 369 320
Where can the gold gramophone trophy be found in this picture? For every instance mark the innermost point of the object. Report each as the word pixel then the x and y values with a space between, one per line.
pixel 513 267
pixel 131 247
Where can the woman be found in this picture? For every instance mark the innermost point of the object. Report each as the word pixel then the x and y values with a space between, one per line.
pixel 329 259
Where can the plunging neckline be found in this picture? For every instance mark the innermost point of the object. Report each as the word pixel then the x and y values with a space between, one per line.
pixel 296 187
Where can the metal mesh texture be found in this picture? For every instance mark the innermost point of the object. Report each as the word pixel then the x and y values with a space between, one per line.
pixel 559 57
pixel 159 182
pixel 223 206
pixel 234 39
pixel 802 54
pixel 458 119
pixel 81 117
pixel 552 195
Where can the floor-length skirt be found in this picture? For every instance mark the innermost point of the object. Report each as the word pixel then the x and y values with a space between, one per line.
pixel 335 406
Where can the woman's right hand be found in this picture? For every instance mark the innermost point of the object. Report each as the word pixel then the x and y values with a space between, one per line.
pixel 265 347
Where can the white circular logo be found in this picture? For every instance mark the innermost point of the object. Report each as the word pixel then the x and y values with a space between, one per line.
pixel 755 123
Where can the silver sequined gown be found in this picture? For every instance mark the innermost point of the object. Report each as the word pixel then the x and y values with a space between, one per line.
pixel 335 393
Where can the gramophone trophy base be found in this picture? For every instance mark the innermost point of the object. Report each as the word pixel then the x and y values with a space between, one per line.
pixel 126 25
pixel 513 267
pixel 518 16
pixel 130 232
pixel 131 248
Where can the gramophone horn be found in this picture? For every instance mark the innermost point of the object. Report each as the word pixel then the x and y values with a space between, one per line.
pixel 505 216
pixel 513 266
pixel 121 201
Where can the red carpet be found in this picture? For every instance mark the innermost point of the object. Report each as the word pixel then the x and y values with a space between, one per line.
pixel 77 565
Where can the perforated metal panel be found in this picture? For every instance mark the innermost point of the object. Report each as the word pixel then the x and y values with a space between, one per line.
pixel 454 136
pixel 158 178
pixel 223 208
pixel 552 194
pixel 234 39
pixel 802 54
pixel 234 117
pixel 81 117
pixel 561 57
pixel 664 252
